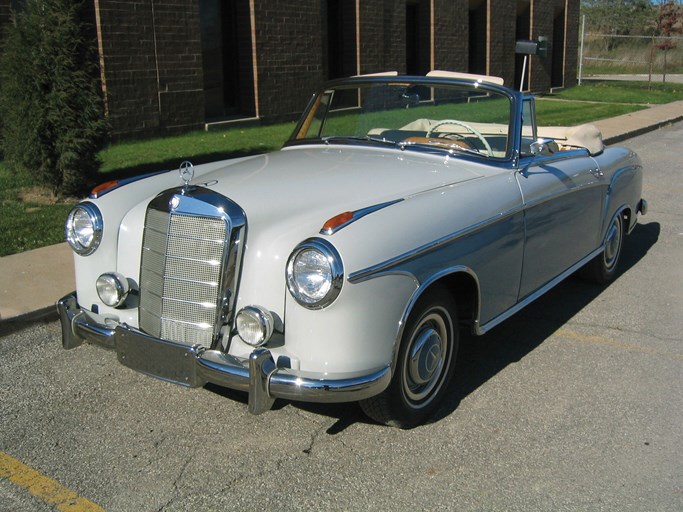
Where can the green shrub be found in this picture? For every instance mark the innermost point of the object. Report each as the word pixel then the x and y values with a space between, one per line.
pixel 53 121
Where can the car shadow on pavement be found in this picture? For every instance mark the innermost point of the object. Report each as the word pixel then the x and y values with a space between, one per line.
pixel 481 358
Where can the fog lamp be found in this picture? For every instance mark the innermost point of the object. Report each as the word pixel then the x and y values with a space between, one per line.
pixel 254 325
pixel 112 289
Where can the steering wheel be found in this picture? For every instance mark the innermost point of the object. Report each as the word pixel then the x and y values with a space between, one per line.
pixel 483 140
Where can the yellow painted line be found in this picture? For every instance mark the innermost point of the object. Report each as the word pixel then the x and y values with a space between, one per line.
pixel 44 488
pixel 601 340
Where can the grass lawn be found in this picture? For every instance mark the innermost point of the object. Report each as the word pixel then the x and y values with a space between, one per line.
pixel 31 218
pixel 128 158
pixel 623 92
pixel 565 113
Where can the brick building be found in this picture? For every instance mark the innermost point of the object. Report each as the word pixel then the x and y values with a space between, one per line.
pixel 169 66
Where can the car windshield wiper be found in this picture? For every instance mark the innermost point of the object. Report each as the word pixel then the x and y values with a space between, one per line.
pixel 342 139
pixel 445 146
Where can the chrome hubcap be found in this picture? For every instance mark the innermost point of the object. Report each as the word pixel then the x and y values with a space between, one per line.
pixel 426 358
pixel 613 244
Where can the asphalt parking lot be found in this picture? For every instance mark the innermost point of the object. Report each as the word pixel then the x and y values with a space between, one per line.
pixel 576 403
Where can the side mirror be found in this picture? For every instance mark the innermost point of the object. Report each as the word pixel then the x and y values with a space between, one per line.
pixel 544 147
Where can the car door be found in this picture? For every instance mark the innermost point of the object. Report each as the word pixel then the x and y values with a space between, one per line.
pixel 562 195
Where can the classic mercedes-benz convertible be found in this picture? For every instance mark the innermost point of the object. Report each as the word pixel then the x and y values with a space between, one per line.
pixel 343 267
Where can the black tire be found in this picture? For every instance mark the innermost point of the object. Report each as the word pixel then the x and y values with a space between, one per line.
pixel 424 368
pixel 603 268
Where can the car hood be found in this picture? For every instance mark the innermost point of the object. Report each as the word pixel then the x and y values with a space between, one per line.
pixel 287 196
pixel 309 185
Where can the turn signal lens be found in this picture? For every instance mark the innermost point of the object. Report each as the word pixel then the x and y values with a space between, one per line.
pixel 336 221
pixel 103 188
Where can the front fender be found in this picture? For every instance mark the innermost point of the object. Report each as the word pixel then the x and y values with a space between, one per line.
pixel 355 334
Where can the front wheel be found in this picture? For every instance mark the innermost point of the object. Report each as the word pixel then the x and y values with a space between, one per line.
pixel 603 268
pixel 424 367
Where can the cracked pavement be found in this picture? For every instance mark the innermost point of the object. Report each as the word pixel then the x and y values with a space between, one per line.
pixel 575 403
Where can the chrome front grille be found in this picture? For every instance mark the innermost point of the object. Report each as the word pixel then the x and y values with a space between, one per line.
pixel 190 265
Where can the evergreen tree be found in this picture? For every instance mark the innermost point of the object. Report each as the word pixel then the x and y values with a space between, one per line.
pixel 52 117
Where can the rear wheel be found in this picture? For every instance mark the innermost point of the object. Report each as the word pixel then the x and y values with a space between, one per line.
pixel 424 366
pixel 603 268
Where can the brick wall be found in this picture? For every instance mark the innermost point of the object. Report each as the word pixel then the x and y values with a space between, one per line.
pixel 502 31
pixel 153 62
pixel 382 36
pixel 572 42
pixel 559 67
pixel 179 65
pixel 451 35
pixel 289 53
pixel 151 54
pixel 542 16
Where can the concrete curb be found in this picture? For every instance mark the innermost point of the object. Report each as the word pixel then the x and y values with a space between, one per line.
pixel 629 134
pixel 32 282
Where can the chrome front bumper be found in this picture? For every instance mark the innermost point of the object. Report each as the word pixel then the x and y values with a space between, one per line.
pixel 195 366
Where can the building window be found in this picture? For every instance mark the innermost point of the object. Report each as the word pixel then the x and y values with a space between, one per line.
pixel 557 63
pixel 418 32
pixel 339 17
pixel 226 58
pixel 478 37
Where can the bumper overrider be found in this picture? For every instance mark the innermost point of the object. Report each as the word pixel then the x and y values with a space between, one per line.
pixel 194 366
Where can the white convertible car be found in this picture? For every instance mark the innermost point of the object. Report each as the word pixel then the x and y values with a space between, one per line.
pixel 402 211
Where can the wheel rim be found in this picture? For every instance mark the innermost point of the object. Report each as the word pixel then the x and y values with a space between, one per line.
pixel 613 243
pixel 427 358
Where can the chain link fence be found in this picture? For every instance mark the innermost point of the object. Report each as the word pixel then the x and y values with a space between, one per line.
pixel 601 54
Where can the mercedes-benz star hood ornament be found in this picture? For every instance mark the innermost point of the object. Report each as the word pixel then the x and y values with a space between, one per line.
pixel 186 172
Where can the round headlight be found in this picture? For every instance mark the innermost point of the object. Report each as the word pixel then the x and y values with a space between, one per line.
pixel 255 325
pixel 84 228
pixel 315 273
pixel 112 289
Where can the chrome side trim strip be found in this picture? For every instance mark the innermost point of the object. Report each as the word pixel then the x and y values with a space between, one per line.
pixel 359 214
pixel 482 329
pixel 370 272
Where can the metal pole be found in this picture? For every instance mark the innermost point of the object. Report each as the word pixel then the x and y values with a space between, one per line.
pixel 649 69
pixel 583 36
pixel 521 84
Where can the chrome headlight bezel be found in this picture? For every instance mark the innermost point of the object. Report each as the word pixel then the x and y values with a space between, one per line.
pixel 84 244
pixel 332 275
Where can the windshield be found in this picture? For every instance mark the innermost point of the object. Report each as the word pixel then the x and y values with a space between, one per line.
pixel 453 118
